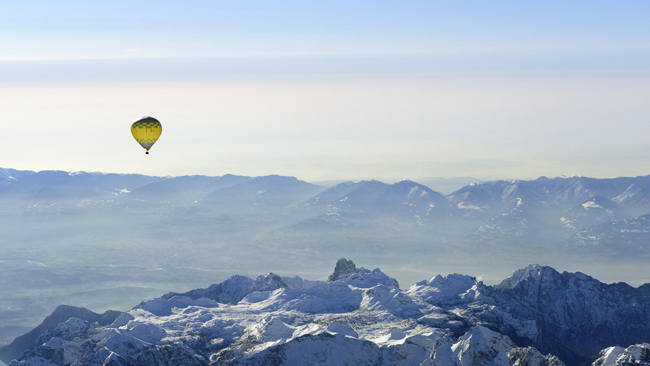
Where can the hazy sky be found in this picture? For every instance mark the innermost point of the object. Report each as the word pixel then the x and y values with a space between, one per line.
pixel 328 89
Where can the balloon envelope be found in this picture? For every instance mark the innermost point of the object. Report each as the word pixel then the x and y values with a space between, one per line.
pixel 146 131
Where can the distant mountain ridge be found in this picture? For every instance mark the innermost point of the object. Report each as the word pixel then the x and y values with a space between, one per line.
pixel 484 198
pixel 632 193
pixel 544 210
pixel 563 211
pixel 361 316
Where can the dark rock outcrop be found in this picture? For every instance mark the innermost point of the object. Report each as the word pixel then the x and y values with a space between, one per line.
pixel 343 267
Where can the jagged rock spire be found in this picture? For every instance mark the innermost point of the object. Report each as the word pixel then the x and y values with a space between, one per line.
pixel 343 267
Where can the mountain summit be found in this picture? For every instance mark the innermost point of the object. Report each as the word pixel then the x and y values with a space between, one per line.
pixel 343 267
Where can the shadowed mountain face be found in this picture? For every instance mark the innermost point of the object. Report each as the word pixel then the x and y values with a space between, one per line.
pixel 362 317
pixel 576 314
pixel 86 237
pixel 61 314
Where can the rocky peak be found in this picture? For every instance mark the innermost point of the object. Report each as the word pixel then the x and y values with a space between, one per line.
pixel 479 346
pixel 234 289
pixel 343 268
pixel 453 289
pixel 270 282
pixel 530 271
pixel 530 356
pixel 637 355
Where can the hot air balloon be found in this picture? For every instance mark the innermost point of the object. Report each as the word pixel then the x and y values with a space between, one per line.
pixel 146 131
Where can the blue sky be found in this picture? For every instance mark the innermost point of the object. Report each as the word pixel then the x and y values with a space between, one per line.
pixel 125 29
pixel 328 90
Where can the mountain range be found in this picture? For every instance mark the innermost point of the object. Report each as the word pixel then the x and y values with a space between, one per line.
pixel 522 208
pixel 537 316
pixel 107 241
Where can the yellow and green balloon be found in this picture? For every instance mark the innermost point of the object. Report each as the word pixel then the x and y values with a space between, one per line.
pixel 146 131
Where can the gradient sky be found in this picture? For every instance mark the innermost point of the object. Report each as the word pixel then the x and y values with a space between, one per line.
pixel 326 90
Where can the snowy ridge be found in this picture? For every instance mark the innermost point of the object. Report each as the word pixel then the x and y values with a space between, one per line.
pixel 454 289
pixel 521 274
pixel 8 176
pixel 635 355
pixel 359 316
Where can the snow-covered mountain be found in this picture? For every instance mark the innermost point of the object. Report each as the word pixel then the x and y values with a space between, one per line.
pixel 61 314
pixel 575 315
pixel 630 236
pixel 7 176
pixel 557 194
pixel 593 212
pixel 362 317
pixel 347 202
pixel 546 210
pixel 634 355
